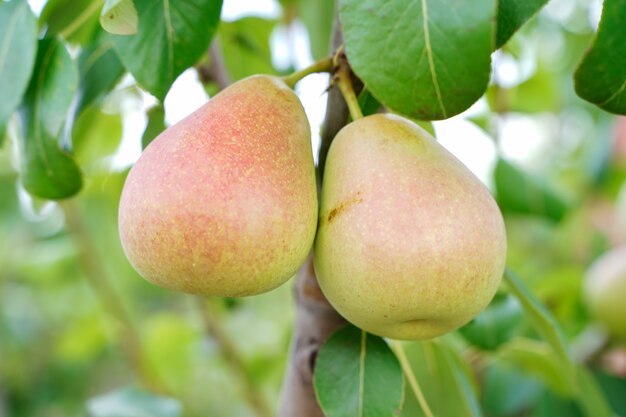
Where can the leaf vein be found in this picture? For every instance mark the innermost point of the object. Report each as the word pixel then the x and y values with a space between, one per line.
pixel 431 61
pixel 169 31
pixel 38 97
pixel 616 94
pixel 362 371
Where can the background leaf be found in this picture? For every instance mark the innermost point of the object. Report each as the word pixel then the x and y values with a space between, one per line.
pixel 156 125
pixel 357 374
pixel 434 61
pixel 540 360
pixel 445 381
pixel 96 135
pixel 318 18
pixel 18 32
pixel 590 397
pixel 47 170
pixel 601 76
pixel 518 192
pixel 614 388
pixel 76 21
pixel 494 325
pixel 245 46
pixel 511 16
pixel 119 17
pixel 133 402
pixel 542 321
pixel 507 391
pixel 100 69
pixel 537 94
pixel 173 35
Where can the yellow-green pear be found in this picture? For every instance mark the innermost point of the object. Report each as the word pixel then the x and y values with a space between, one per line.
pixel 224 202
pixel 410 244
pixel 604 290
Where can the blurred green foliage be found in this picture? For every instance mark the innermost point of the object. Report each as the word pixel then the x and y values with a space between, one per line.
pixel 78 323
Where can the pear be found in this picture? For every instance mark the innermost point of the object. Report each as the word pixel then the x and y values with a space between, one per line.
pixel 410 244
pixel 224 202
pixel 604 290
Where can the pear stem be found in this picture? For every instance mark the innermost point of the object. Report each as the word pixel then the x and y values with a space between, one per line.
pixel 408 372
pixel 323 65
pixel 344 82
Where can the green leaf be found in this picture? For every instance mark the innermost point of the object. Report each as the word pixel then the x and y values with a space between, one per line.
pixel 74 20
pixel 245 45
pixel 540 93
pixel 590 397
pixel 119 17
pixel 497 324
pixel 170 345
pixel 424 59
pixel 601 76
pixel 318 18
pixel 100 69
pixel 156 125
pixel 357 374
pixel 133 402
pixel 518 192
pixel 47 170
pixel 507 391
pixel 551 405
pixel 444 380
pixel 543 322
pixel 96 135
pixel 173 35
pixel 368 103
pixel 462 378
pixel 18 45
pixel 614 388
pixel 539 359
pixel 511 16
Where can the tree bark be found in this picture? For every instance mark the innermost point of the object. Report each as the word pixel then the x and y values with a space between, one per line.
pixel 216 70
pixel 315 319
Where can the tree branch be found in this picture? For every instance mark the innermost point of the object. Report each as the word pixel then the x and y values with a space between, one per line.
pixel 215 71
pixel 315 320
pixel 99 282
pixel 229 352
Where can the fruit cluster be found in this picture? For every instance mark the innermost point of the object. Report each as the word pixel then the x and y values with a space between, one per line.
pixel 408 243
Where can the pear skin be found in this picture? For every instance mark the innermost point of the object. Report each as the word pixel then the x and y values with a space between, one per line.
pixel 224 202
pixel 410 244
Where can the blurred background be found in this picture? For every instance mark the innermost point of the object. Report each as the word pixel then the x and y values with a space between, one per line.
pixel 76 321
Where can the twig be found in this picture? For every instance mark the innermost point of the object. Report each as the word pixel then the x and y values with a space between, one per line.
pixel 215 71
pixel 344 82
pixel 315 321
pixel 110 300
pixel 229 353
pixel 323 65
pixel 336 109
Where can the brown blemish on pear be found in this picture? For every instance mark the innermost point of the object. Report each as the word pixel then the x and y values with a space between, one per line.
pixel 341 207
